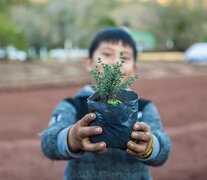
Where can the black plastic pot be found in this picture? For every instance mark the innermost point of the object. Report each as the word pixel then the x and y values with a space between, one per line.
pixel 116 120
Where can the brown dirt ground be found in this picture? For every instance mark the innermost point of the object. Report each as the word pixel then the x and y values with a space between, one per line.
pixel 179 91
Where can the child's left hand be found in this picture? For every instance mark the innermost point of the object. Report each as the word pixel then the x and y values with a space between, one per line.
pixel 143 137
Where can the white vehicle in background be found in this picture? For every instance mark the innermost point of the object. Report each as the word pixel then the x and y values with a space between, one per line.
pixel 15 54
pixel 196 53
pixel 12 53
pixel 2 54
pixel 67 54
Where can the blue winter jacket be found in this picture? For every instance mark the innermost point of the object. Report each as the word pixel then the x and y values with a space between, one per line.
pixel 115 163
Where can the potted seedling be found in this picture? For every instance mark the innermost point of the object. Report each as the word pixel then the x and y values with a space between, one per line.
pixel 115 107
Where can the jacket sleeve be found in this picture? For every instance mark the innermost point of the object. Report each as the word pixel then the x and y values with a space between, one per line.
pixel 151 117
pixel 63 116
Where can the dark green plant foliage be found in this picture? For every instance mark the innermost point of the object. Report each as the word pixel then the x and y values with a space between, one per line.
pixel 11 33
pixel 181 22
pixel 108 83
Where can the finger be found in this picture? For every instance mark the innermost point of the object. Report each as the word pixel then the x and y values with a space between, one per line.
pixel 102 151
pixel 132 152
pixel 93 147
pixel 142 136
pixel 138 148
pixel 141 126
pixel 87 119
pixel 89 131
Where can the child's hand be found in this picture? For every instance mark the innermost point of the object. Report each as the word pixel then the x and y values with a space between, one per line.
pixel 143 137
pixel 79 136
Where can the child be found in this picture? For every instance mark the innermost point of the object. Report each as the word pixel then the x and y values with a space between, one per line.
pixel 68 134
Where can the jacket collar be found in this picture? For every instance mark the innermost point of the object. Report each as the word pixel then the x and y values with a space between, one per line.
pixel 85 91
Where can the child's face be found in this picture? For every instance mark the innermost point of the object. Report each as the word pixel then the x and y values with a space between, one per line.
pixel 110 54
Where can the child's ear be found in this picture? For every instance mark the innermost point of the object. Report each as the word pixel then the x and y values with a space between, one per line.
pixel 88 64
pixel 135 68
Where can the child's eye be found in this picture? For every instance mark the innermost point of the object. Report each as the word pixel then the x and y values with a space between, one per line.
pixel 107 54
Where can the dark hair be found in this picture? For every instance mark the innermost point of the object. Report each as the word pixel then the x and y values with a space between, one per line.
pixel 112 35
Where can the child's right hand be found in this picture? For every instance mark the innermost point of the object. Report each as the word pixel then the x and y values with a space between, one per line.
pixel 79 134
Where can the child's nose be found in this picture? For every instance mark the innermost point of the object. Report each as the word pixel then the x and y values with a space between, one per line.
pixel 112 62
pixel 117 56
pixel 114 59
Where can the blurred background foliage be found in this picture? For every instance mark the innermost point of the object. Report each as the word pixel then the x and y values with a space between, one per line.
pixel 181 22
pixel 175 24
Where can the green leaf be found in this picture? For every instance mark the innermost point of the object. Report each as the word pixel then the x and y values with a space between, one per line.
pixel 114 101
pixel 108 82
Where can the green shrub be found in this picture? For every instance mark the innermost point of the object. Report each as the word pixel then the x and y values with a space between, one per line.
pixel 108 83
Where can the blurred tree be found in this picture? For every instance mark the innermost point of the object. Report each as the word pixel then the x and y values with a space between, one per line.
pixel 178 23
pixel 105 21
pixel 14 2
pixel 3 6
pixel 10 33
pixel 54 23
